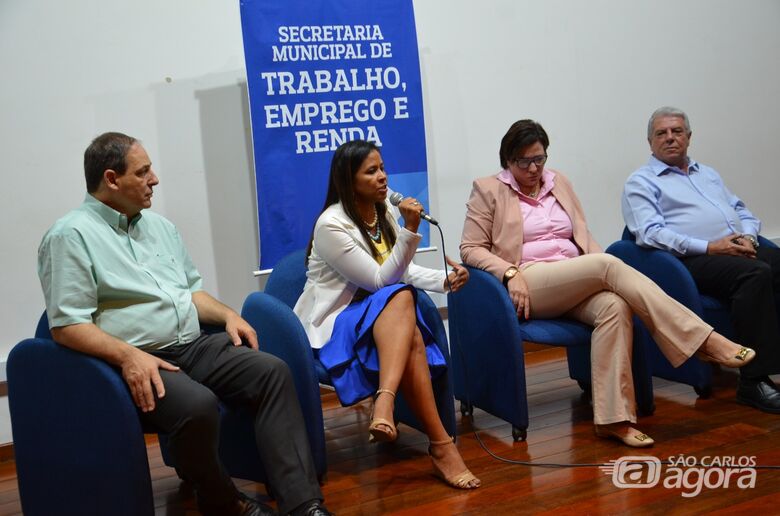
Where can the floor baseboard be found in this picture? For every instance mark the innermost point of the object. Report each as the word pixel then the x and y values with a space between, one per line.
pixel 6 452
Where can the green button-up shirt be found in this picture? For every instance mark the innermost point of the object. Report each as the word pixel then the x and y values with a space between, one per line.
pixel 133 279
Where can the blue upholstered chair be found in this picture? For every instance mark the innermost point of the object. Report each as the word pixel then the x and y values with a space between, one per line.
pixel 286 284
pixel 671 275
pixel 487 352
pixel 78 440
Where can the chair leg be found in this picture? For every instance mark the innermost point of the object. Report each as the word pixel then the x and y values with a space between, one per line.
pixel 181 475
pixel 703 392
pixel 466 409
pixel 585 386
pixel 646 411
pixel 519 434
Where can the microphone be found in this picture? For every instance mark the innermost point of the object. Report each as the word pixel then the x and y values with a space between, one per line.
pixel 395 200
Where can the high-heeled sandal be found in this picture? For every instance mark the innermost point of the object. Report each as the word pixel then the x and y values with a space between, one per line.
pixel 741 358
pixel 381 430
pixel 460 481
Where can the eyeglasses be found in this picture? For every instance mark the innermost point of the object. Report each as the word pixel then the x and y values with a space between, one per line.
pixel 524 163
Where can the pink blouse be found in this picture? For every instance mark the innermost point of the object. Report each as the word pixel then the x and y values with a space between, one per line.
pixel 547 229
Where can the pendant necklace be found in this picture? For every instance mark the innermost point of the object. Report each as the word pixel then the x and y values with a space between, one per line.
pixel 376 238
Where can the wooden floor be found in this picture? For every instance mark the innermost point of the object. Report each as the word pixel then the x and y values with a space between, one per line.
pixel 396 478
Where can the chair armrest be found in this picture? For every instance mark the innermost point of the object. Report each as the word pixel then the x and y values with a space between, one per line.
pixel 280 333
pixel 74 425
pixel 485 337
pixel 432 318
pixel 664 269
pixel 765 242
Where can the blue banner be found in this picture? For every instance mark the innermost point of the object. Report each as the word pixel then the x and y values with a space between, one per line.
pixel 320 73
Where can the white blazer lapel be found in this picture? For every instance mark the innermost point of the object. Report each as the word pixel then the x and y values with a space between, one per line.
pixel 350 227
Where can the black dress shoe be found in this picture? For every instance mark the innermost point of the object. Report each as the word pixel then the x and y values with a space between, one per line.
pixel 761 393
pixel 311 508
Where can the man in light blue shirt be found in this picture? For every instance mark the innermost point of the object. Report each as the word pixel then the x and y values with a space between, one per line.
pixel 119 285
pixel 682 206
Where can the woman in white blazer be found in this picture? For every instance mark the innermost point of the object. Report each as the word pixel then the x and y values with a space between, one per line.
pixel 359 303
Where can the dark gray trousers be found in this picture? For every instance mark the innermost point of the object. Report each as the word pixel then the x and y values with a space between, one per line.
pixel 213 369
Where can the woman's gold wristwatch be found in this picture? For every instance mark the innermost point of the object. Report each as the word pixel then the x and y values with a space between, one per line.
pixel 510 273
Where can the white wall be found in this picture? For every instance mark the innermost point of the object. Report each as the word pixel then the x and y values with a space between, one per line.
pixel 172 73
pixel 592 72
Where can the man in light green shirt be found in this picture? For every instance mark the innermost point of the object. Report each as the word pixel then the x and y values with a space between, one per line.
pixel 119 285
pixel 132 278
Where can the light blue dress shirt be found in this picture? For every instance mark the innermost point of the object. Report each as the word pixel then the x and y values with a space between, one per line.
pixel 668 209
pixel 133 279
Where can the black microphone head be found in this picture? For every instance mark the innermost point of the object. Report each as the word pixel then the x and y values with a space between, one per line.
pixel 396 198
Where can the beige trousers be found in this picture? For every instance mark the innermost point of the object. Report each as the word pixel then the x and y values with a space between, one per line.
pixel 602 291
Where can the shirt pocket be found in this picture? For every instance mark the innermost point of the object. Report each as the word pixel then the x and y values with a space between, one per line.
pixel 169 271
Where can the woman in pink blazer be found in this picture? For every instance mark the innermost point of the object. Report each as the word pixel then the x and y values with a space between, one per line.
pixel 526 226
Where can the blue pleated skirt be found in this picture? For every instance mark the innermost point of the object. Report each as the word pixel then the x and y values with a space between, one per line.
pixel 351 357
